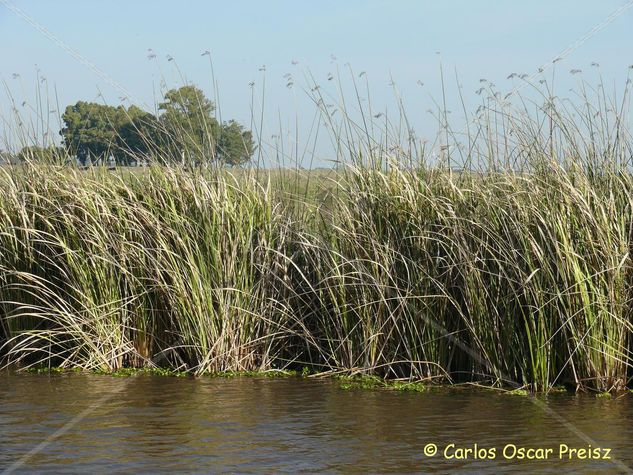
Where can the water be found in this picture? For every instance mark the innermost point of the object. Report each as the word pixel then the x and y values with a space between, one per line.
pixel 159 424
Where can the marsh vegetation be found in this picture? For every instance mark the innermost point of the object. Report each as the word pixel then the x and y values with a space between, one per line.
pixel 502 259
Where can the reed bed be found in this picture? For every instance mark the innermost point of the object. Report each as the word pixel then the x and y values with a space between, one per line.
pixel 504 278
pixel 513 272
pixel 167 269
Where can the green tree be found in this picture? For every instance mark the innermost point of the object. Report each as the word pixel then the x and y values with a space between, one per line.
pixel 185 131
pixel 140 137
pixel 90 130
pixel 191 129
pixel 235 144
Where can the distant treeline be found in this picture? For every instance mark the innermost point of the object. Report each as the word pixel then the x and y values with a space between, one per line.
pixel 184 130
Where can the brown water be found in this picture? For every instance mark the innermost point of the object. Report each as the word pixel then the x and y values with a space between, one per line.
pixel 103 424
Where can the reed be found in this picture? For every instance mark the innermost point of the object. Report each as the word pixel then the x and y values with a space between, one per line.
pixel 503 278
pixel 171 268
pixel 514 270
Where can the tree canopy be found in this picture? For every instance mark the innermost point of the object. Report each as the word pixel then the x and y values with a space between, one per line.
pixel 91 130
pixel 235 144
pixel 187 117
pixel 184 131
pixel 140 136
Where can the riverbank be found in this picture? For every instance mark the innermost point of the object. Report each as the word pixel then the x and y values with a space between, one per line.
pixel 344 381
pixel 511 280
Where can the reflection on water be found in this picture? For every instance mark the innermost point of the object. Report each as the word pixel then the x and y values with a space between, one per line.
pixel 160 424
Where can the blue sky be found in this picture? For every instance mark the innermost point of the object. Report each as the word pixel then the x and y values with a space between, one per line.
pixel 395 38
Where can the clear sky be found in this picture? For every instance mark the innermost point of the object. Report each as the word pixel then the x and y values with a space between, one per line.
pixel 386 38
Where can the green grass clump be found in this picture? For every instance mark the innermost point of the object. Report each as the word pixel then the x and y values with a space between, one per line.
pixel 374 382
pixel 604 395
pixel 409 387
pixel 360 382
pixel 518 392
pixel 256 374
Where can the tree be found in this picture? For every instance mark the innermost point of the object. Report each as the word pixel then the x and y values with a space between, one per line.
pixel 185 131
pixel 235 144
pixel 140 137
pixel 192 131
pixel 91 130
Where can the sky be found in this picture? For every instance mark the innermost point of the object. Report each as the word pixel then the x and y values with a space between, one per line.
pixel 117 52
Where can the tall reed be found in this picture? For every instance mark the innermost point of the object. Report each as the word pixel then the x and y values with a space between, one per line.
pixel 514 269
pixel 104 272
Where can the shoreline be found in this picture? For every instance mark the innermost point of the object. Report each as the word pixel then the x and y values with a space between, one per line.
pixel 345 382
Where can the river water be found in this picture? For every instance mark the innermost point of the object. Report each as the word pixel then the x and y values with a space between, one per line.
pixel 74 423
